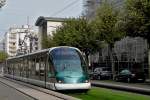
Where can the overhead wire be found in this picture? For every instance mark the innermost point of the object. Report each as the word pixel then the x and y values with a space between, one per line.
pixel 73 7
pixel 64 8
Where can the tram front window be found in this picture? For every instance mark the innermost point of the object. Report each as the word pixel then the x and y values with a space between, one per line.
pixel 68 62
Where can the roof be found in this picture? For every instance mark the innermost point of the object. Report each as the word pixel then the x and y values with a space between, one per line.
pixel 41 51
pixel 20 56
pixel 42 19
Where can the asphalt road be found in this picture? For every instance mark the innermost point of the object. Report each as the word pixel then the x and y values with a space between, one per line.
pixel 8 93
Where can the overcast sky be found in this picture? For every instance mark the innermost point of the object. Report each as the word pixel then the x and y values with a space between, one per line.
pixel 15 12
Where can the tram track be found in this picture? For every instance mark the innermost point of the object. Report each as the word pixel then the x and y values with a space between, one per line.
pixel 54 95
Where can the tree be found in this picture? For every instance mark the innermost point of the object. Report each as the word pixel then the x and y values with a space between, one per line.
pixel 137 20
pixel 107 27
pixel 47 42
pixel 3 56
pixel 78 33
pixel 2 3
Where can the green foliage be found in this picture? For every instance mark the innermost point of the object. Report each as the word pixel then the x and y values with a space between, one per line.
pixel 77 33
pixel 3 56
pixel 87 36
pixel 106 24
pixel 137 19
pixel 47 42
pixel 107 27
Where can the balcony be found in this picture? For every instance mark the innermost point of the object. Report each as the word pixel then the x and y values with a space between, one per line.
pixel 12 43
pixel 12 37
pixel 12 47
pixel 11 51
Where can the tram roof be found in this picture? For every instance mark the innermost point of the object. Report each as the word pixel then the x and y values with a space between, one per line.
pixel 40 51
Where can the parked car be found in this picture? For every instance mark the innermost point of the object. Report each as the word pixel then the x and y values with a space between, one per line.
pixel 130 76
pixel 101 73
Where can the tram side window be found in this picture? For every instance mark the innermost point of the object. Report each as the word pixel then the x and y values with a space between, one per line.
pixel 14 67
pixel 25 67
pixel 42 68
pixel 9 70
pixel 37 68
pixel 50 69
pixel 48 73
pixel 33 72
pixel 17 68
pixel 21 67
pixel 30 68
pixel 16 72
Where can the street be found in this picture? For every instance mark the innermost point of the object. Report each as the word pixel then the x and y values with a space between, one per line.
pixel 8 93
pixel 35 92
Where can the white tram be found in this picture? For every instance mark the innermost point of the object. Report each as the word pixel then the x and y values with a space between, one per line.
pixel 57 68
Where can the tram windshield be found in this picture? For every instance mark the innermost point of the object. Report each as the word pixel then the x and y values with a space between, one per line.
pixel 68 60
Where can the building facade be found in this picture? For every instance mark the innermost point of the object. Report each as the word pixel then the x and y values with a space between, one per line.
pixel 126 53
pixel 46 26
pixel 18 40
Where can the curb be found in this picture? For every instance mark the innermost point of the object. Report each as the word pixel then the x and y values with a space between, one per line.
pixel 122 87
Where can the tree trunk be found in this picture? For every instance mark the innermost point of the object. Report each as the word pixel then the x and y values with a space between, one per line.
pixel 87 58
pixel 112 61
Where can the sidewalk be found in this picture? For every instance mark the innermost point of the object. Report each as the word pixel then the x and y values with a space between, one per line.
pixel 123 86
pixel 35 92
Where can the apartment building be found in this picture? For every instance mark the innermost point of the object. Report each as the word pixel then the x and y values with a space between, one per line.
pixel 46 26
pixel 18 40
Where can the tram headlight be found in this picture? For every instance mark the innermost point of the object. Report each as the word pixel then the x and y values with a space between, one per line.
pixel 59 81
pixel 86 81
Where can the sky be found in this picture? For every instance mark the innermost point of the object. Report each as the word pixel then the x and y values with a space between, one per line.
pixel 16 12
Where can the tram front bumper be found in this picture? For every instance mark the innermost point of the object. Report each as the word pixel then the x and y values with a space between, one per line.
pixel 75 86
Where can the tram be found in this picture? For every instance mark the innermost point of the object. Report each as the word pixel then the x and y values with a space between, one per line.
pixel 56 68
